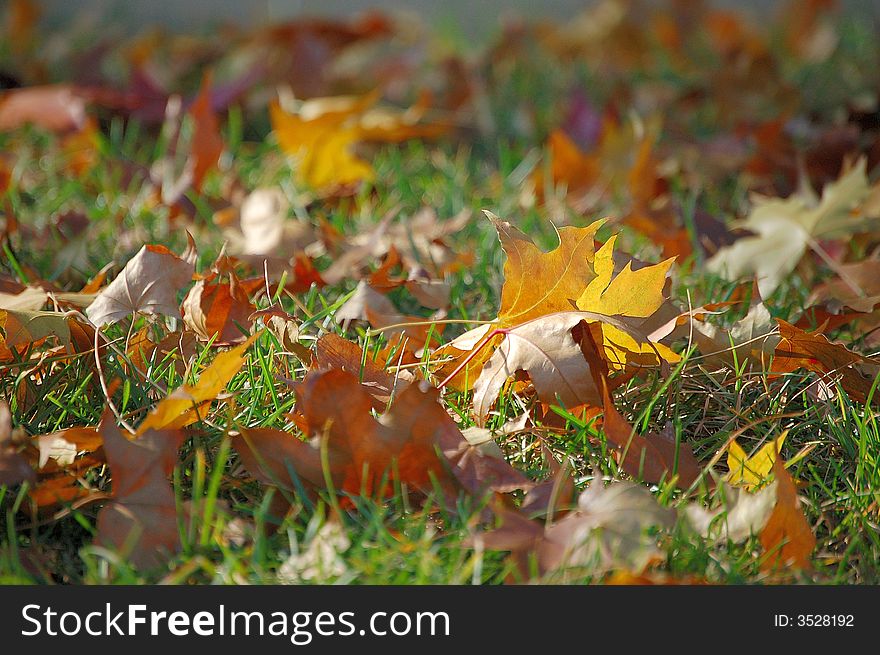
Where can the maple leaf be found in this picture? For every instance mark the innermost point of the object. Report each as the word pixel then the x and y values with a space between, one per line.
pixel 538 283
pixel 218 311
pixel 413 442
pixel 141 522
pixel 787 537
pixel 322 141
pixel 569 165
pixel 752 472
pixel 334 352
pixel 148 284
pixel 324 130
pixel 544 348
pixel 207 142
pixel 20 329
pixel 613 295
pixel 785 229
pixel 572 276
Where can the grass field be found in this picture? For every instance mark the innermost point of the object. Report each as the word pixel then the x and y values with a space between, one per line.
pixel 711 96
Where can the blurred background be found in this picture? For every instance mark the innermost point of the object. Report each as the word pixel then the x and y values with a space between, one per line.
pixel 467 17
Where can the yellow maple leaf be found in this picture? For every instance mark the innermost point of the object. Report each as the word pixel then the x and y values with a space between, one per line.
pixel 322 134
pixel 630 293
pixel 322 145
pixel 752 472
pixel 537 283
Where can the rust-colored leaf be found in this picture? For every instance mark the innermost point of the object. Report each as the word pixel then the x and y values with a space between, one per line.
pixel 833 362
pixel 141 522
pixel 787 537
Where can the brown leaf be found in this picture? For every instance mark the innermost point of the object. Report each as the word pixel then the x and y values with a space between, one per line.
pixel 831 361
pixel 334 352
pixel 57 108
pixel 408 434
pixel 267 453
pixel 14 468
pixel 787 537
pixel 148 285
pixel 20 329
pixel 207 142
pixel 141 522
pixel 413 443
pixel 650 457
pixel 218 311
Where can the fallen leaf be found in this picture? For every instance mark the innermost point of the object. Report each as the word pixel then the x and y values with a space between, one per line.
pixel 545 349
pixel 323 143
pixel 537 284
pixel 610 529
pixel 20 329
pixel 56 108
pixel 187 403
pixel 334 352
pixel 147 285
pixel 784 229
pixel 218 311
pixel 753 472
pixel 787 537
pixel 207 142
pixel 832 362
pixel 740 515
pixel 14 468
pixel 63 446
pixel 141 522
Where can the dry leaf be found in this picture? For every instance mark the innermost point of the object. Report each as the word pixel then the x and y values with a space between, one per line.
pixel 740 515
pixel 14 468
pixel 141 522
pixel 753 472
pixel 187 403
pixel 609 529
pixel 787 537
pixel 784 229
pixel 218 311
pixel 207 142
pixel 831 361
pixel 20 329
pixel 147 285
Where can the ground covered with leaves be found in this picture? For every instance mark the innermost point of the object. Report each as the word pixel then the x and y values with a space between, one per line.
pixel 359 302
